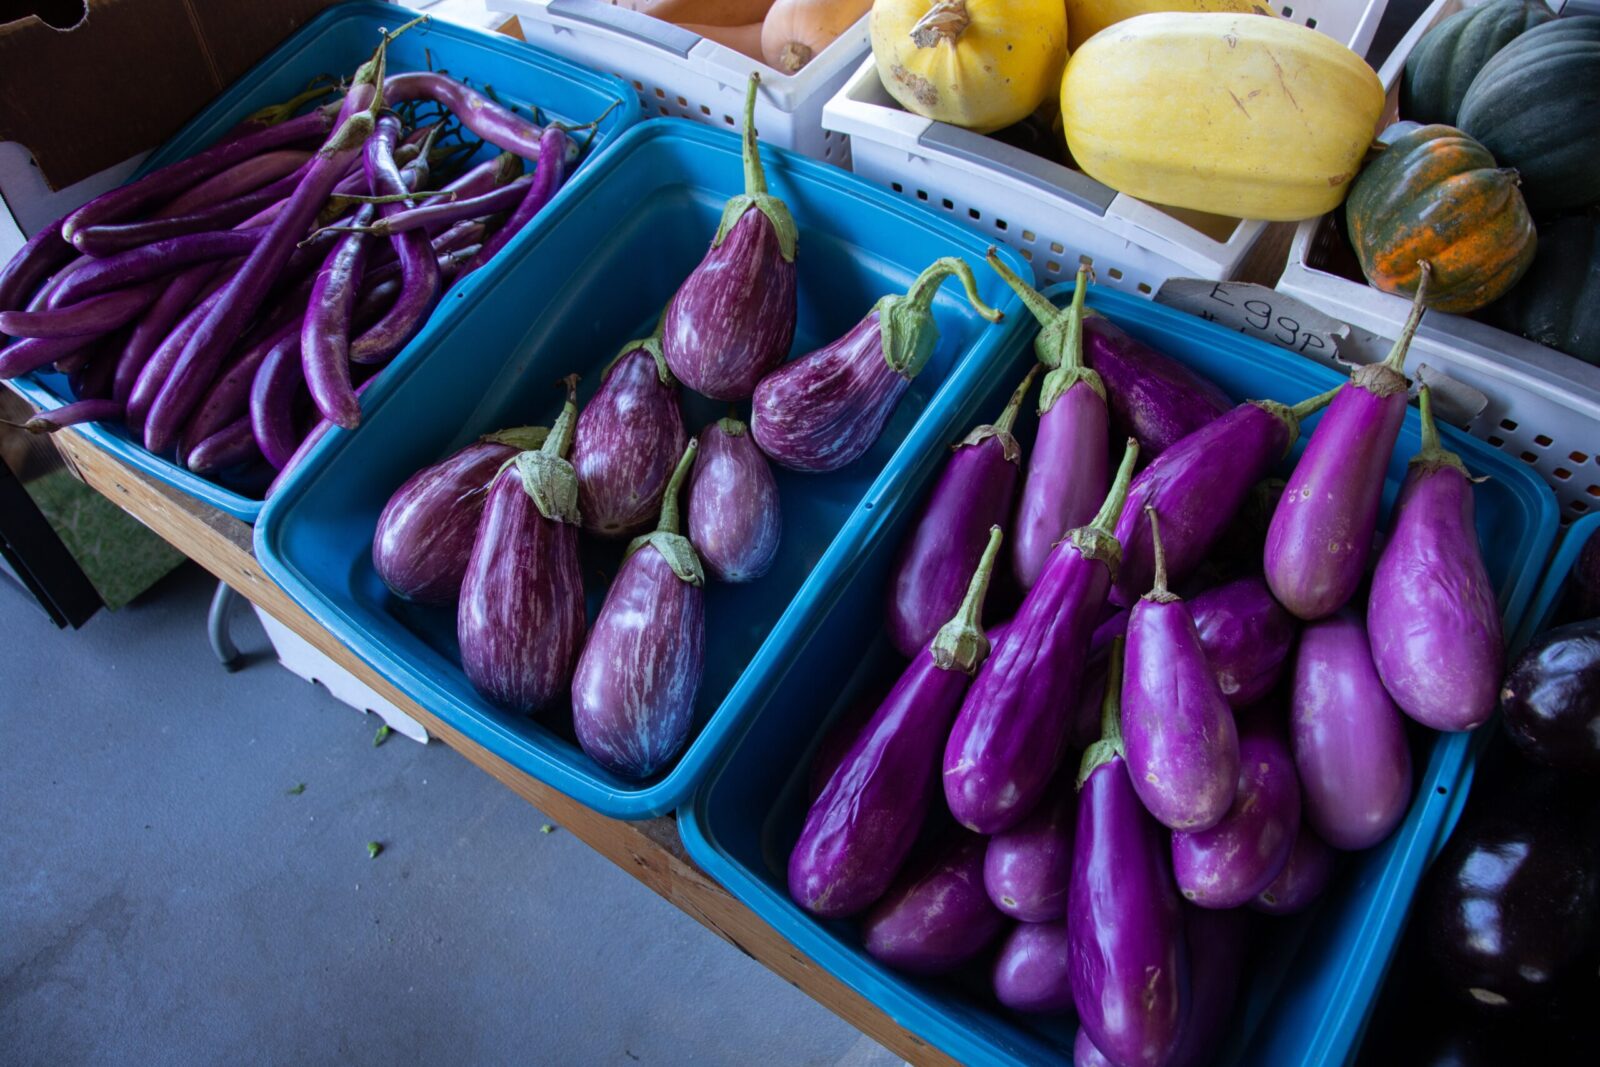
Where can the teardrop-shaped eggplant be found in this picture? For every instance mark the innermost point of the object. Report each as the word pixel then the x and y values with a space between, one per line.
pixel 823 410
pixel 629 436
pixel 426 531
pixel 1033 972
pixel 633 692
pixel 1552 698
pixel 1028 868
pixel 735 520
pixel 1303 878
pixel 1432 613
pixel 733 318
pixel 1247 637
pixel 936 916
pixel 1153 398
pixel 520 622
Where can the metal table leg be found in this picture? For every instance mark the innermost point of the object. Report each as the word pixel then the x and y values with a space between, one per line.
pixel 217 628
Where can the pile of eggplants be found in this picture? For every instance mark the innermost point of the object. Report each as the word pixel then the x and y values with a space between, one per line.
pixel 1188 709
pixel 230 307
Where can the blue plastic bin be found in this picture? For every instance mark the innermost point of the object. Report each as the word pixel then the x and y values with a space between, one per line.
pixel 597 276
pixel 1309 993
pixel 336 42
pixel 1548 599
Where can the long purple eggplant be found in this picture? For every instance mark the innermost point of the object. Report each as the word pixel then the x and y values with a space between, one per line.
pixel 1303 878
pixel 733 318
pixel 91 316
pixel 823 410
pixel 1032 972
pixel 840 739
pixel 487 189
pixel 521 618
pixel 243 177
pixel 1011 733
pixel 230 446
pixel 735 518
pixel 1247 637
pixel 28 354
pixel 1068 469
pixel 1349 739
pixel 41 256
pixel 629 436
pixel 277 385
pixel 1217 941
pixel 325 329
pixel 422 280
pixel 1153 398
pixel 859 831
pixel 153 260
pixel 229 396
pixel 73 414
pixel 493 122
pixel 1130 963
pixel 633 692
pixel 936 916
pixel 1321 535
pixel 153 326
pixel 1028 868
pixel 974 493
pixel 554 145
pixel 1178 733
pixel 1432 613
pixel 426 531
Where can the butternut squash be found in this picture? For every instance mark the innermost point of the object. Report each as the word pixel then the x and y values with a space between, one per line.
pixel 1235 115
pixel 746 39
pixel 690 13
pixel 1085 18
pixel 794 31
pixel 981 64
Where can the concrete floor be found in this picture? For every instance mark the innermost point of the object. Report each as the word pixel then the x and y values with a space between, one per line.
pixel 166 899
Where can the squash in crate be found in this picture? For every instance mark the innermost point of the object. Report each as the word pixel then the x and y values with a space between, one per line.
pixel 1450 55
pixel 1435 194
pixel 1085 18
pixel 796 30
pixel 1557 303
pixel 1235 115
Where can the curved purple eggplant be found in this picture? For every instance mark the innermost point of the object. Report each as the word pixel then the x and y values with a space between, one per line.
pixel 1130 963
pixel 860 829
pixel 1247 637
pixel 839 740
pixel 1012 730
pixel 1032 972
pixel 1303 878
pixel 1348 737
pixel 733 318
pixel 521 618
pixel 735 519
pixel 1178 734
pixel 1027 868
pixel 629 436
pixel 633 692
pixel 973 493
pixel 426 531
pixel 1153 398
pixel 1321 535
pixel 1217 942
pixel 936 916
pixel 1068 467
pixel 823 410
pixel 1084 1054
pixel 1432 613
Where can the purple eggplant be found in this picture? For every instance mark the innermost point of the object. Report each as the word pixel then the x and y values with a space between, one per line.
pixel 1068 467
pixel 1321 535
pixel 1217 942
pixel 839 740
pixel 1028 868
pixel 974 493
pixel 554 149
pixel 733 318
pixel 1551 697
pixel 1178 734
pixel 1153 398
pixel 859 831
pixel 1032 972
pixel 1011 733
pixel 1247 637
pixel 823 410
pixel 735 519
pixel 627 443
pixel 421 279
pixel 521 618
pixel 633 692
pixel 1303 878
pixel 1349 739
pixel 231 446
pixel 426 531
pixel 1432 613
pixel 1230 864
pixel 1084 1054
pixel 73 414
pixel 1130 963
pixel 45 253
pixel 936 916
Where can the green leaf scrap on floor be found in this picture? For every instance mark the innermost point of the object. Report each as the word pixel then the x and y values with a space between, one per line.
pixel 381 736
pixel 373 849
pixel 297 790
pixel 547 829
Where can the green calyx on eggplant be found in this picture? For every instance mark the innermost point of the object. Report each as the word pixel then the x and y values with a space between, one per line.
pixel 906 320
pixel 546 475
pixel 665 538
pixel 960 644
pixel 1059 343
pixel 755 193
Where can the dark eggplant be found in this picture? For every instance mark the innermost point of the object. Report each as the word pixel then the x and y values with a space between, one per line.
pixel 1432 614
pixel 1028 868
pixel 627 442
pixel 735 518
pixel 733 318
pixel 1321 535
pixel 1247 637
pixel 1303 878
pixel 936 916
pixel 1032 972
pixel 859 831
pixel 1177 733
pixel 633 692
pixel 521 618
pixel 1349 739
pixel 1586 578
pixel 1217 942
pixel 1084 1054
pixel 1130 963
pixel 823 410
pixel 74 414
pixel 1011 733
pixel 974 492
pixel 1551 698
pixel 426 531
pixel 1153 398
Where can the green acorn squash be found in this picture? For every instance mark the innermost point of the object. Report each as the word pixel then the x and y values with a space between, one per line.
pixel 1557 303
pixel 1447 58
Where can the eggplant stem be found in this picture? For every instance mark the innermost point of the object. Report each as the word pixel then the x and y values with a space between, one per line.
pixel 1312 405
pixel 961 643
pixel 560 439
pixel 1160 587
pixel 1043 310
pixel 1433 450
pixel 669 504
pixel 273 114
pixel 1396 360
pixel 1072 345
pixel 755 177
pixel 1008 416
pixel 1110 743
pixel 1111 510
pixel 927 284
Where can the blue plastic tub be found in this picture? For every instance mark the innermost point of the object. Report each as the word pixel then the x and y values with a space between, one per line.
pixel 597 276
pixel 1310 991
pixel 336 42
pixel 1548 599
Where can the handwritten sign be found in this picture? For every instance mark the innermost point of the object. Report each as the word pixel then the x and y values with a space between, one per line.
pixel 1259 312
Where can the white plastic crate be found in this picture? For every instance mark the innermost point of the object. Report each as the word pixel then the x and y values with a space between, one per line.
pixel 1050 213
pixel 1544 406
pixel 676 72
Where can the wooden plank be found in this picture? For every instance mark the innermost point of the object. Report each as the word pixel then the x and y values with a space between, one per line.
pixel 649 850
